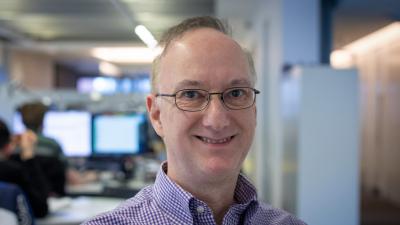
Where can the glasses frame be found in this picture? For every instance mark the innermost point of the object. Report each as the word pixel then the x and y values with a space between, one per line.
pixel 221 97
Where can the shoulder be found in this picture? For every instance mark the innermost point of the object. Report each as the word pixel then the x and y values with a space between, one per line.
pixel 47 141
pixel 140 209
pixel 9 190
pixel 266 214
pixel 46 146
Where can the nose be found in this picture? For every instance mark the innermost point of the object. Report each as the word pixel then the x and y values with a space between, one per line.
pixel 216 115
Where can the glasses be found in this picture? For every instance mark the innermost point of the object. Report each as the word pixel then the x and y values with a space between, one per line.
pixel 194 100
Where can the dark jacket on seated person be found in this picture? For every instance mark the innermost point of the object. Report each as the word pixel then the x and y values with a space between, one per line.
pixel 53 164
pixel 29 177
pixel 55 172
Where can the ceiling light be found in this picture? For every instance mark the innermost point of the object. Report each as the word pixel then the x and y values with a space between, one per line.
pixel 341 59
pixel 126 54
pixel 145 35
pixel 109 69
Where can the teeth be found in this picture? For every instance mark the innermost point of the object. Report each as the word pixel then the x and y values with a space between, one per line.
pixel 213 141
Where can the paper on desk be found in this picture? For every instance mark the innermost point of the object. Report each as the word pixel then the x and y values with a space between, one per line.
pixel 56 204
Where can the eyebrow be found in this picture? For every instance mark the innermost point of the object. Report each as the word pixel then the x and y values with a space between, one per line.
pixel 240 82
pixel 187 83
pixel 194 83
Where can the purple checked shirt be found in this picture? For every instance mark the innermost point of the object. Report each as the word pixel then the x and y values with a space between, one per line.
pixel 167 203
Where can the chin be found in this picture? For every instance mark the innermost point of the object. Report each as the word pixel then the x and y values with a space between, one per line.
pixel 221 167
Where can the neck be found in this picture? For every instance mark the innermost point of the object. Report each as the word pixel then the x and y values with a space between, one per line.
pixel 217 194
pixel 219 199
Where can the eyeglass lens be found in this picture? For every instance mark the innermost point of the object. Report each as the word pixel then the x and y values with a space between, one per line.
pixel 197 99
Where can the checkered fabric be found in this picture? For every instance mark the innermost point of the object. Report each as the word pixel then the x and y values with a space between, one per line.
pixel 165 202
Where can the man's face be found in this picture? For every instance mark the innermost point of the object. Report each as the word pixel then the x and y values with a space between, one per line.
pixel 213 142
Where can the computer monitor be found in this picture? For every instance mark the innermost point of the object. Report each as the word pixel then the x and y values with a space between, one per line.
pixel 118 134
pixel 71 129
pixel 18 125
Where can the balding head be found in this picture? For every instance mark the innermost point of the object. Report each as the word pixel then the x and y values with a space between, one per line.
pixel 188 26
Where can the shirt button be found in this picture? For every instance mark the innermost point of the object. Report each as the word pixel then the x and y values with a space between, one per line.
pixel 200 209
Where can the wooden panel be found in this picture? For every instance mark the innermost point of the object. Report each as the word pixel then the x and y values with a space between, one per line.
pixel 34 71
pixel 380 97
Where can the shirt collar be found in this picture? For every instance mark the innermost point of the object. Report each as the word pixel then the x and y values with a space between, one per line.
pixel 245 197
pixel 245 192
pixel 170 195
pixel 171 198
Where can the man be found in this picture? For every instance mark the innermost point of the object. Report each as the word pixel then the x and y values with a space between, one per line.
pixel 202 105
pixel 32 115
pixel 48 151
pixel 25 173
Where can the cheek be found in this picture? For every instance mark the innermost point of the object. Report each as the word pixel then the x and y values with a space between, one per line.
pixel 248 118
pixel 174 125
pixel 249 123
pixel 253 117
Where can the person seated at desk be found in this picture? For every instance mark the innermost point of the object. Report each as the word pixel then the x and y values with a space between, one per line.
pixel 25 172
pixel 48 151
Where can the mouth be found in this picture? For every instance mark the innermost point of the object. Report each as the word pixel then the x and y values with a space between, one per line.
pixel 208 140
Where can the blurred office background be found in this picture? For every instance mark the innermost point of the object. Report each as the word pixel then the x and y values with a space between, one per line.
pixel 327 139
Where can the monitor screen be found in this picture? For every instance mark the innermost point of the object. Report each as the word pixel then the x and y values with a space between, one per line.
pixel 115 134
pixel 71 129
pixel 18 126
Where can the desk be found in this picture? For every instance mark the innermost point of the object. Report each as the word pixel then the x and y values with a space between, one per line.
pixel 107 189
pixel 73 211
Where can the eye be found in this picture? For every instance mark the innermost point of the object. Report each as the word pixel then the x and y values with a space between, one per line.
pixel 236 93
pixel 190 94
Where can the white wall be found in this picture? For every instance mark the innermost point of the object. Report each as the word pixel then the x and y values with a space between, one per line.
pixel 328 147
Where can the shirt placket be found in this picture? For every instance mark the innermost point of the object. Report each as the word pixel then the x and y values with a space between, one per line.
pixel 202 214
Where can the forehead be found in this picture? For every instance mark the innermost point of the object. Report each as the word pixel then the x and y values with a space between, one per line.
pixel 205 56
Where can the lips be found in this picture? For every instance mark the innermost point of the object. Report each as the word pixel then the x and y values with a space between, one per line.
pixel 215 141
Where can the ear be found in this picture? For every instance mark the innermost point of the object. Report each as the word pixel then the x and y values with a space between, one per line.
pixel 154 114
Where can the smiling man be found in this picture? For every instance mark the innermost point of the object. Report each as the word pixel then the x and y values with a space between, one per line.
pixel 203 106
